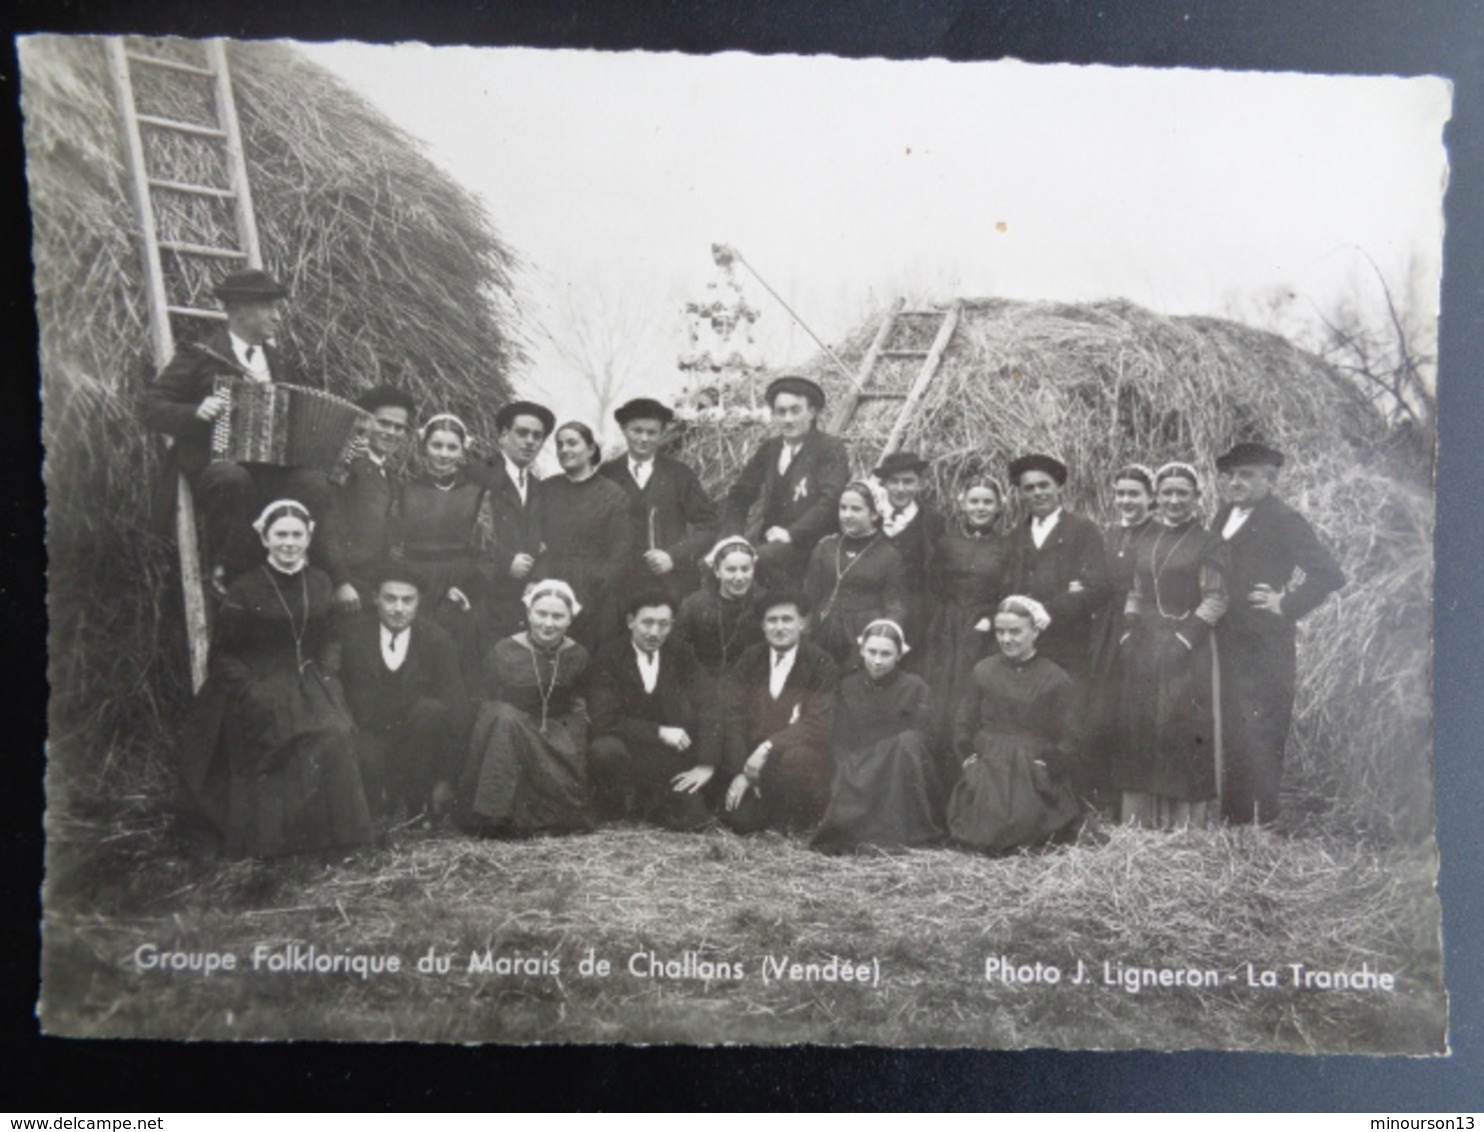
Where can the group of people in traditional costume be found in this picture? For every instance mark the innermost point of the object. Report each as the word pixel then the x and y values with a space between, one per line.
pixel 466 642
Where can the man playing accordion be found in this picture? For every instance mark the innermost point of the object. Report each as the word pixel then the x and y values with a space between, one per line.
pixel 182 402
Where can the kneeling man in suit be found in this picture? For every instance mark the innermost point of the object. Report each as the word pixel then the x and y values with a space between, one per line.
pixel 405 690
pixel 781 701
pixel 649 756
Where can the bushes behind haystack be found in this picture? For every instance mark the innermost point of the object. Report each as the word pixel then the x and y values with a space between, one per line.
pixel 1103 384
pixel 397 275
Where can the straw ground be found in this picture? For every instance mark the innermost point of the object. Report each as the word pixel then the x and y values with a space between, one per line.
pixel 929 920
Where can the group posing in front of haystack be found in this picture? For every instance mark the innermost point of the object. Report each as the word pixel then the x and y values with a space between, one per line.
pixel 469 643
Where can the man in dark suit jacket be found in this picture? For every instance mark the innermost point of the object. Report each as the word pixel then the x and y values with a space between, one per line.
pixel 182 403
pixel 1057 558
pixel 521 428
pixel 366 493
pixel 780 702
pixel 1268 541
pixel 672 519
pixel 798 476
pixel 406 692
pixel 649 756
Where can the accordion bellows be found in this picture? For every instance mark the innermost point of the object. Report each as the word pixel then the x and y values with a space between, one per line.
pixel 288 425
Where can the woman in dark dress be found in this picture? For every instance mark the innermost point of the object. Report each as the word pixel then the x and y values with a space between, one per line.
pixel 914 529
pixel 527 769
pixel 1133 498
pixel 268 755
pixel 444 526
pixel 854 577
pixel 882 794
pixel 724 617
pixel 969 564
pixel 1018 737
pixel 586 536
pixel 719 622
pixel 1168 759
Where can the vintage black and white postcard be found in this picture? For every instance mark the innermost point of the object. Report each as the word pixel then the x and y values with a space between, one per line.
pixel 580 547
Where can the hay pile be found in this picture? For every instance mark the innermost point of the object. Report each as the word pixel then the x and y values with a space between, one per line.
pixel 1106 383
pixel 396 272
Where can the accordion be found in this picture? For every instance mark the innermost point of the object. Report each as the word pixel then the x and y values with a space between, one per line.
pixel 288 425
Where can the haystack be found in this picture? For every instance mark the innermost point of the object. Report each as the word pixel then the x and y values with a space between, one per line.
pixel 1103 384
pixel 397 275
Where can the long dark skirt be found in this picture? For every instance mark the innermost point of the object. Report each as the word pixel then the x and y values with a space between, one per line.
pixel 882 796
pixel 952 649
pixel 466 627
pixel 1169 744
pixel 521 780
pixel 271 764
pixel 1005 799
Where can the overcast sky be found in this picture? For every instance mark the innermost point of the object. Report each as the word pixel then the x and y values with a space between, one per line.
pixel 847 182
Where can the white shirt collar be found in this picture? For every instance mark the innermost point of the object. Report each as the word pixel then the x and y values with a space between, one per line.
pixel 1235 521
pixel 649 667
pixel 395 654
pixel 515 472
pixel 1041 528
pixel 779 666
pixel 258 367
pixel 899 522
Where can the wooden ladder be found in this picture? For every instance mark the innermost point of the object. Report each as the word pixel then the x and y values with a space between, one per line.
pixel 154 190
pixel 902 323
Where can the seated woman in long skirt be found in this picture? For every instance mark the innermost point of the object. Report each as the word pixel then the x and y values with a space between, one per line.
pixel 1017 733
pixel 527 768
pixel 268 755
pixel 882 793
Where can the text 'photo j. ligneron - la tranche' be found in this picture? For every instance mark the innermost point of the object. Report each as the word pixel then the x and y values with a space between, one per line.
pixel 585 548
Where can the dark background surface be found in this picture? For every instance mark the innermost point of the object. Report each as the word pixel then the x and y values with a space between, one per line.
pixel 1343 36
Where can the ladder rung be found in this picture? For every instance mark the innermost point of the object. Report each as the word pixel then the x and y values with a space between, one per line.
pixel 197 312
pixel 902 354
pixel 170 64
pixel 882 397
pixel 202 249
pixel 921 314
pixel 181 127
pixel 198 190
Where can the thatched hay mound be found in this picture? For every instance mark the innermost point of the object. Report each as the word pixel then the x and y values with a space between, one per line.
pixel 396 272
pixel 1102 384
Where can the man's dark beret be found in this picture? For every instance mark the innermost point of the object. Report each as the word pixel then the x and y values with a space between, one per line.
pixel 1038 462
pixel 1247 455
pixel 900 462
pixel 250 286
pixel 643 409
pixel 799 387
pixel 507 414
